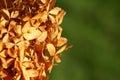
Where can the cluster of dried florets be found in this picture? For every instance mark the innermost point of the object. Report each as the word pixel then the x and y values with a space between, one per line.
pixel 30 38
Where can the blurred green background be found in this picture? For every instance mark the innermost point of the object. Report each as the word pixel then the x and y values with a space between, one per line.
pixel 93 28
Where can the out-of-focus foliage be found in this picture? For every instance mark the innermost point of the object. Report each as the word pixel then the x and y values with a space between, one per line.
pixel 93 28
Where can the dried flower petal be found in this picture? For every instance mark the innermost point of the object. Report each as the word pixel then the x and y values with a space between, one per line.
pixel 29 29
pixel 55 11
pixel 26 18
pixel 6 38
pixel 6 13
pixel 1 45
pixel 22 49
pixel 9 62
pixel 32 73
pixel 33 35
pixel 26 27
pixel 51 49
pixel 60 17
pixel 14 14
pixel 61 41
pixel 42 37
pixel 57 58
pixel 2 74
pixel 4 62
pixel 17 29
pixel 9 45
pixel 3 53
pixel 61 49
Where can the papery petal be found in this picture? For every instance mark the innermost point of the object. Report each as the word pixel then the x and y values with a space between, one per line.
pixel 42 37
pixel 14 14
pixel 3 74
pixel 9 45
pixel 3 53
pixel 61 41
pixel 61 49
pixel 6 13
pixel 55 11
pixel 17 29
pixel 51 49
pixel 4 62
pixel 10 61
pixel 57 59
pixel 6 38
pixel 1 45
pixel 26 27
pixel 32 73
pixel 33 35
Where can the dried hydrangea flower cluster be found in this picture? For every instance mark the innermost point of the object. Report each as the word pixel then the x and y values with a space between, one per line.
pixel 30 38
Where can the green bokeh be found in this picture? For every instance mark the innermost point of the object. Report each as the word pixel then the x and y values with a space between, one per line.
pixel 93 28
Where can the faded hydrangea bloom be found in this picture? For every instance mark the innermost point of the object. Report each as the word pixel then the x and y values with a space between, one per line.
pixel 30 38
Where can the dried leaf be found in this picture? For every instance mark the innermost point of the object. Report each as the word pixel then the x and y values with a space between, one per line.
pixel 51 49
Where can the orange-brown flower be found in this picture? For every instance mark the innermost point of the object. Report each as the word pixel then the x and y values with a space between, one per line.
pixel 30 38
